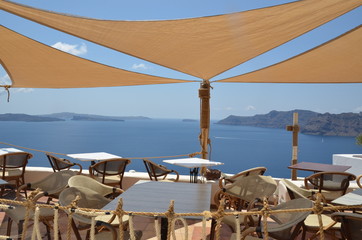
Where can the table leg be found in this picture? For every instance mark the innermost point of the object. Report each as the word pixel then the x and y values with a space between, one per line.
pixel 164 228
pixel 194 172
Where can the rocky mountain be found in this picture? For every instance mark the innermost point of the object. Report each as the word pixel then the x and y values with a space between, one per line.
pixel 92 117
pixel 88 118
pixel 344 124
pixel 64 117
pixel 27 118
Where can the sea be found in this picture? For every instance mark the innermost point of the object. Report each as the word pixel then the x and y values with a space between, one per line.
pixel 238 147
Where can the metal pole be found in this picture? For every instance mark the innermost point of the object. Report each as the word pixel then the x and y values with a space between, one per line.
pixel 295 128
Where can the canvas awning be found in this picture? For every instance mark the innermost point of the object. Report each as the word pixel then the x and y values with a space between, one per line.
pixel 337 61
pixel 35 65
pixel 203 47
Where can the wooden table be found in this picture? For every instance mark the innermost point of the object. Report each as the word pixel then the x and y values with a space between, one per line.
pixel 194 164
pixel 319 167
pixel 155 196
pixel 351 198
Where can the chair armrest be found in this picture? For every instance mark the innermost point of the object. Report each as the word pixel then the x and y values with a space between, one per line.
pixel 80 167
pixel 177 175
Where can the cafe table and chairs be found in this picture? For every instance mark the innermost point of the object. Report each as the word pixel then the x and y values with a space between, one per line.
pixel 194 164
pixel 155 197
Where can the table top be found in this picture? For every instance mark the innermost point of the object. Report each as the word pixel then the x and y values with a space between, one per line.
pixel 155 196
pixel 8 150
pixel 319 167
pixel 351 198
pixel 94 156
pixel 192 162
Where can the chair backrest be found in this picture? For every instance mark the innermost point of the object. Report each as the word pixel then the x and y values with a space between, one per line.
pixel 351 224
pixel 296 192
pixel 155 170
pixel 248 188
pixel 249 172
pixel 54 183
pixel 287 225
pixel 111 167
pixel 88 199
pixel 15 159
pixel 88 182
pixel 59 164
pixel 330 181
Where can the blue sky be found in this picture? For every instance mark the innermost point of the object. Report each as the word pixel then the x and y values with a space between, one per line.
pixel 175 100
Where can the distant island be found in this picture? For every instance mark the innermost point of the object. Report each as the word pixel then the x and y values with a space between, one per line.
pixel 27 118
pixel 189 120
pixel 65 116
pixel 313 123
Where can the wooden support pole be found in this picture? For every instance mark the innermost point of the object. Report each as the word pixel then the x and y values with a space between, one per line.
pixel 204 95
pixel 295 129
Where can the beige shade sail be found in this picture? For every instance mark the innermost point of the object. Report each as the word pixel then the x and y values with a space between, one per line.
pixel 337 61
pixel 35 65
pixel 203 47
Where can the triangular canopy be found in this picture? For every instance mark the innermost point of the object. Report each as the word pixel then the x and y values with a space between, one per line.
pixel 203 47
pixel 35 65
pixel 337 61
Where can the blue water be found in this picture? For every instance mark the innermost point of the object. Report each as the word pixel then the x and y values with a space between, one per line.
pixel 239 147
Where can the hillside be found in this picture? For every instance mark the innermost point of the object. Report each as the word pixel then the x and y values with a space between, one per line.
pixel 92 117
pixel 27 118
pixel 344 124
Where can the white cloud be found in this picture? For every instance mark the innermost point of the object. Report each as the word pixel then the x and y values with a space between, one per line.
pixel 250 108
pixel 24 90
pixel 72 49
pixel 139 66
pixel 5 80
pixel 228 108
pixel 358 109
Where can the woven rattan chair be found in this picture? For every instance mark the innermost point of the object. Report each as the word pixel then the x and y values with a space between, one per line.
pixel 156 171
pixel 232 202
pixel 330 184
pixel 311 223
pixel 12 166
pixel 109 172
pixel 295 191
pixel 59 164
pixel 249 189
pixel 49 187
pixel 88 182
pixel 88 199
pixel 285 225
pixel 351 224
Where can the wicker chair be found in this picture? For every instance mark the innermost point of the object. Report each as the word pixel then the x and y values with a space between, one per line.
pixel 109 172
pixel 311 223
pixel 88 182
pixel 330 184
pixel 90 199
pixel 12 166
pixel 230 201
pixel 351 224
pixel 59 164
pixel 50 186
pixel 284 225
pixel 156 171
pixel 248 189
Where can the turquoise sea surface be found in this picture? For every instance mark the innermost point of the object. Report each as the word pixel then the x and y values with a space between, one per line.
pixel 238 147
